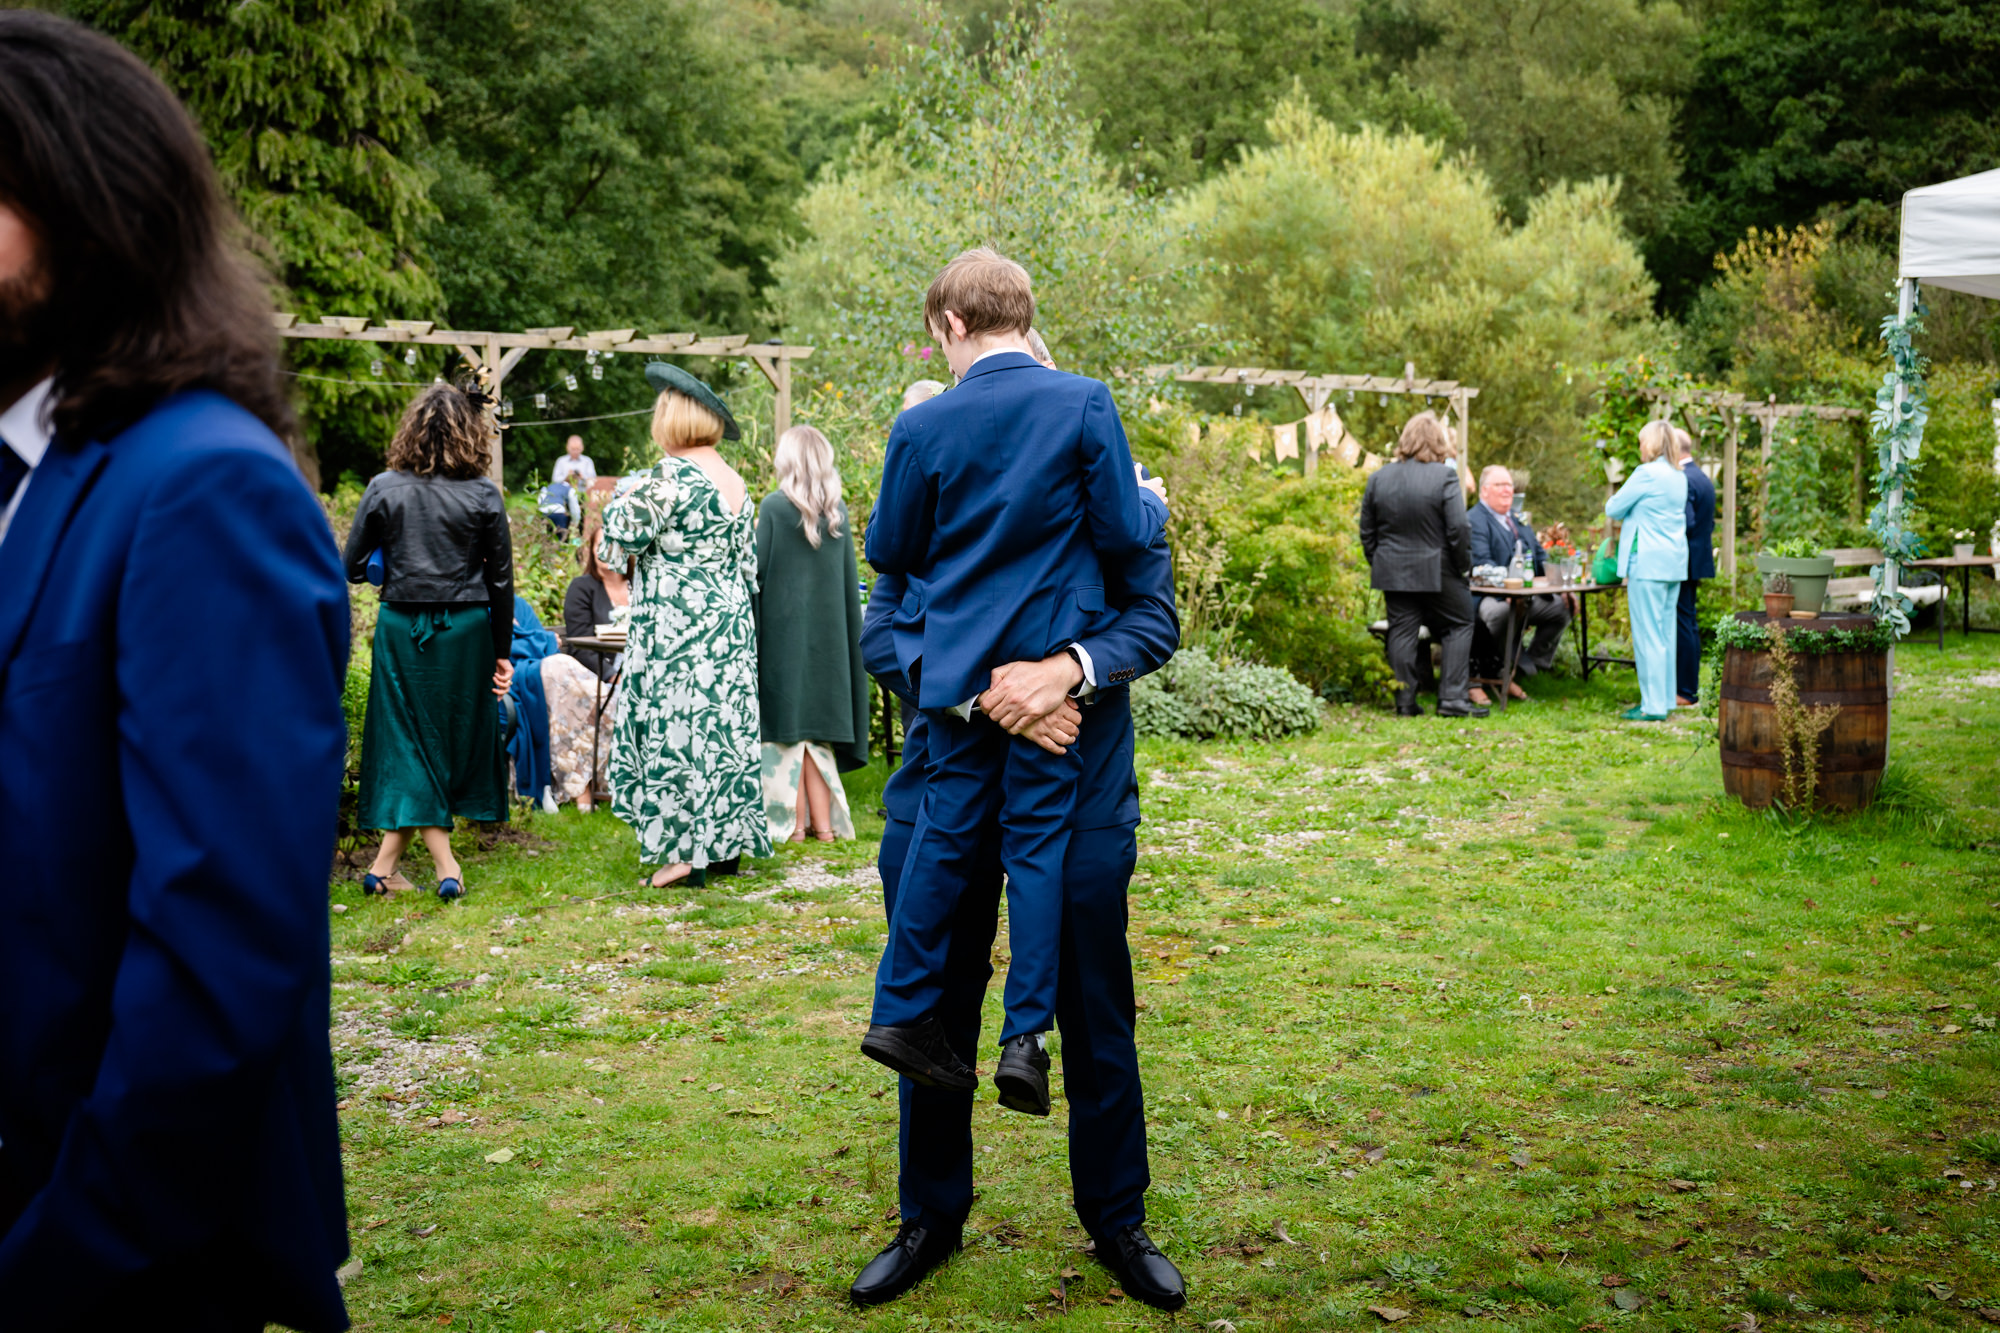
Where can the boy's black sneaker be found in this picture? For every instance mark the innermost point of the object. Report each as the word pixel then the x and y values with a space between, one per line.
pixel 919 1052
pixel 1023 1076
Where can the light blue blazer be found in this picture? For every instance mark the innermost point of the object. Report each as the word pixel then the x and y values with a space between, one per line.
pixel 1652 504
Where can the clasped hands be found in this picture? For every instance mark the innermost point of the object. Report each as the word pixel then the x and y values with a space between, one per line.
pixel 1032 699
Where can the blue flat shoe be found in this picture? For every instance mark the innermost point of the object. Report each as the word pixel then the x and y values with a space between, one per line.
pixel 372 884
pixel 1636 714
pixel 449 889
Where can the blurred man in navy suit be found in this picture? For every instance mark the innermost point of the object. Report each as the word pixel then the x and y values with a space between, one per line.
pixel 1701 565
pixel 173 638
pixel 1496 534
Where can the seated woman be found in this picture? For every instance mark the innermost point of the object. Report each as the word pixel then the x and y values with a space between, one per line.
pixel 595 597
pixel 558 738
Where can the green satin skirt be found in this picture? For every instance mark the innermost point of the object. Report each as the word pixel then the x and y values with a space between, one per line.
pixel 430 746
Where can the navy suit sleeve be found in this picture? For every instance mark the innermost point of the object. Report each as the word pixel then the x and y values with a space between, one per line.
pixel 878 648
pixel 1120 522
pixel 899 527
pixel 232 627
pixel 1147 630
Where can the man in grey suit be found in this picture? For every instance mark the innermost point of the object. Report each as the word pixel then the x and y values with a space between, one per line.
pixel 1419 549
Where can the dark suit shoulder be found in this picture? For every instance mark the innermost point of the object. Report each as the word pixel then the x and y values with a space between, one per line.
pixel 198 425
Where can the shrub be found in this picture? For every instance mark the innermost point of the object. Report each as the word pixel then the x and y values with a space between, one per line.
pixel 1194 697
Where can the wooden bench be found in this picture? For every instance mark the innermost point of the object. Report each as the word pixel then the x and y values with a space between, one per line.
pixel 1854 593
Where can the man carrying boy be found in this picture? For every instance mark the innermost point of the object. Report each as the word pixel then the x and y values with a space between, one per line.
pixel 998 499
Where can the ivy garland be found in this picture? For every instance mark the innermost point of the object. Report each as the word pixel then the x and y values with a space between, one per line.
pixel 1754 636
pixel 1899 436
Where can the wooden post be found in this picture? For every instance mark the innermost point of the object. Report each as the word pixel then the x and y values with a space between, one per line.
pixel 1465 440
pixel 1729 499
pixel 781 413
pixel 1316 399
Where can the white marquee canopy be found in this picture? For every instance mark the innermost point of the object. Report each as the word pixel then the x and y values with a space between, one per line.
pixel 1951 234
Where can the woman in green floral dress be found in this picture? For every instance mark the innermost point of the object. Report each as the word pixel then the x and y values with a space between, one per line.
pixel 686 758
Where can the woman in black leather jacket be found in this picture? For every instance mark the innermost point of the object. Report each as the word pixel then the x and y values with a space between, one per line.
pixel 431 748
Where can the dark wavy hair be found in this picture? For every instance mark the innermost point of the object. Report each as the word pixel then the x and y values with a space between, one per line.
pixel 151 288
pixel 443 433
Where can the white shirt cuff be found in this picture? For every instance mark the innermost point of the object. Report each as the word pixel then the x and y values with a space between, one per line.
pixel 964 710
pixel 1089 686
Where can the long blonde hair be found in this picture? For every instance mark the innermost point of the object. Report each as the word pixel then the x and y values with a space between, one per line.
pixel 1656 441
pixel 808 478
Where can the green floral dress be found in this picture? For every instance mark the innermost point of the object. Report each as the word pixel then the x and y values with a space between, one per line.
pixel 686 759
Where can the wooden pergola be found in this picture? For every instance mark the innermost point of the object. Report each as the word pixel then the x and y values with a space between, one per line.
pixel 1731 407
pixel 1318 390
pixel 493 355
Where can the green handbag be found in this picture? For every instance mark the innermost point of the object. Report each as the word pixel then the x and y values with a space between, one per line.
pixel 1604 568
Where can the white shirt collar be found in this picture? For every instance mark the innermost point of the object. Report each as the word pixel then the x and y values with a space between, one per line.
pixel 998 351
pixel 25 427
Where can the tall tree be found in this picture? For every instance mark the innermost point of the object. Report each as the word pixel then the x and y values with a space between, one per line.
pixel 604 164
pixel 1180 87
pixel 1549 91
pixel 1803 106
pixel 310 109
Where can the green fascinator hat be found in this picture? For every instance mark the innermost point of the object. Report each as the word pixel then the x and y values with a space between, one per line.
pixel 664 377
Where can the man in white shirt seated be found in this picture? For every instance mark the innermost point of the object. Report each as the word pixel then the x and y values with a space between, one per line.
pixel 573 467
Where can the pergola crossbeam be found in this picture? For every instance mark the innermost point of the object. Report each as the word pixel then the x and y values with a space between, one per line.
pixel 1317 389
pixel 495 354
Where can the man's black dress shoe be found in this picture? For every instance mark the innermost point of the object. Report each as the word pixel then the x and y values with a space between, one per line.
pixel 1463 710
pixel 919 1053
pixel 1408 710
pixel 1143 1272
pixel 1023 1076
pixel 914 1253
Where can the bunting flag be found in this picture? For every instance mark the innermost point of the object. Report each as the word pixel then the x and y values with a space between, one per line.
pixel 1349 450
pixel 1285 440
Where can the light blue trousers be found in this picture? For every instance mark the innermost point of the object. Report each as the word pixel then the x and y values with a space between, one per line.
pixel 1653 603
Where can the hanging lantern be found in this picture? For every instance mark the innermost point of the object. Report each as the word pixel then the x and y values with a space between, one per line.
pixel 410 356
pixel 597 372
pixel 375 367
pixel 569 382
pixel 541 402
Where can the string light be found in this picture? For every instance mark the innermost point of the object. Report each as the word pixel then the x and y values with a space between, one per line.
pixel 1382 400
pixel 410 357
pixel 597 373
pixel 1350 395
pixel 541 402
pixel 569 382
pixel 375 367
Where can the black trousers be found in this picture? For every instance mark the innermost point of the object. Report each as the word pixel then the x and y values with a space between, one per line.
pixel 1447 614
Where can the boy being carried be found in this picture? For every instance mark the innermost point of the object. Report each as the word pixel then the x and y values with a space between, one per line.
pixel 998 498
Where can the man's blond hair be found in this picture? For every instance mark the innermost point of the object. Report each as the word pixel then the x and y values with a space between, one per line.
pixel 989 293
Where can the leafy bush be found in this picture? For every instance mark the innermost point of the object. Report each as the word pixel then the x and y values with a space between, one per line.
pixel 1194 697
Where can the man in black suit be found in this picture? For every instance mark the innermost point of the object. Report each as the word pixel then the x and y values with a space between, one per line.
pixel 1701 565
pixel 1495 532
pixel 1413 532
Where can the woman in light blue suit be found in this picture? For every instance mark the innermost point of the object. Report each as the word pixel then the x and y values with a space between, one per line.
pixel 1653 561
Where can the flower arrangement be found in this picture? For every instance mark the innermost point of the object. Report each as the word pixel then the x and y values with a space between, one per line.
pixel 1962 535
pixel 1556 541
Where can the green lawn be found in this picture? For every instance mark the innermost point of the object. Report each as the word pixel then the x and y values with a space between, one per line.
pixel 1507 1024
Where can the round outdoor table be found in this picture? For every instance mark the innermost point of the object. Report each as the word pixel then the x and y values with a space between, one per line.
pixel 596 644
pixel 1517 621
pixel 1965 564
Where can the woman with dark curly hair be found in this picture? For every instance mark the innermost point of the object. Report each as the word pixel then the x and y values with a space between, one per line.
pixel 430 748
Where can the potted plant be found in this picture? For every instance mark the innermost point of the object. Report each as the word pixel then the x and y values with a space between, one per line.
pixel 1778 595
pixel 1962 544
pixel 1800 561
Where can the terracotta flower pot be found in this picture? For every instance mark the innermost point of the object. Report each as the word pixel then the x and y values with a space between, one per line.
pixel 1778 605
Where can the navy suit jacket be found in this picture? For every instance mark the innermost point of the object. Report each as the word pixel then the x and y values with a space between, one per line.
pixel 1138 639
pixel 1700 521
pixel 1492 544
pixel 173 640
pixel 998 500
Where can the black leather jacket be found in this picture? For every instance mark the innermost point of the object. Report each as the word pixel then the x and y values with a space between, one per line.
pixel 443 540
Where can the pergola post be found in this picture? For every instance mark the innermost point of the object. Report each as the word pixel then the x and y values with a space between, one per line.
pixel 1729 500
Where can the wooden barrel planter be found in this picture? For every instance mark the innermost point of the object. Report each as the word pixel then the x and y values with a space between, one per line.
pixel 1852 751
